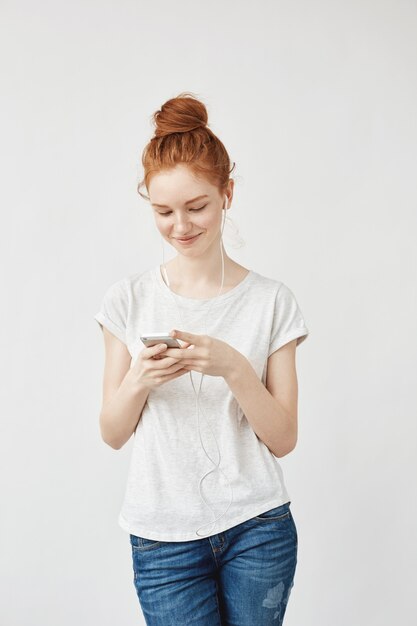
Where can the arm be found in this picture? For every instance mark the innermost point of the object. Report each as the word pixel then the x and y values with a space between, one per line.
pixel 119 417
pixel 123 396
pixel 272 409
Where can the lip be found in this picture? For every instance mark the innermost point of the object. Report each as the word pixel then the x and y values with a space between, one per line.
pixel 188 241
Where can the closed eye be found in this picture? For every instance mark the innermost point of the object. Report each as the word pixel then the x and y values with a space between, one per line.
pixel 200 209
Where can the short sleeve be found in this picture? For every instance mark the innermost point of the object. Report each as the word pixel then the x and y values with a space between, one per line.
pixel 114 309
pixel 288 322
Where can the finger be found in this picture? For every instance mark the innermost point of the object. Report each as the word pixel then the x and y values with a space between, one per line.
pixel 189 364
pixel 171 369
pixel 164 362
pixel 154 350
pixel 181 353
pixel 190 337
pixel 184 344
pixel 177 374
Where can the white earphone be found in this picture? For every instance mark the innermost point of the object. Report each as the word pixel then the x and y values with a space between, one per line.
pixel 216 465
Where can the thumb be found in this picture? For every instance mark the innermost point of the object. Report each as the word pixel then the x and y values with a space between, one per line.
pixel 184 344
pixel 189 337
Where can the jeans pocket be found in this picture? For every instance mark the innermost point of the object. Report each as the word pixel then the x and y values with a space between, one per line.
pixel 281 512
pixel 141 543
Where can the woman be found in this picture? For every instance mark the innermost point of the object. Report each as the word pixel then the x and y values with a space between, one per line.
pixel 236 565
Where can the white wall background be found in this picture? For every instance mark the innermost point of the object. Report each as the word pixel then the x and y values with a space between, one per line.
pixel 316 102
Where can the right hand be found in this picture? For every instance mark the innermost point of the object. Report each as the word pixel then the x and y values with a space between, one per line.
pixel 153 372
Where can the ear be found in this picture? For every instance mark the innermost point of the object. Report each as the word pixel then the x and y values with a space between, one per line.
pixel 229 192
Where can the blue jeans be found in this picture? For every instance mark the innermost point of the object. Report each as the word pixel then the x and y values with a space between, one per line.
pixel 240 577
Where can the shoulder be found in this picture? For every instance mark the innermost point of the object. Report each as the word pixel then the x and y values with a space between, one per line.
pixel 268 285
pixel 116 291
pixel 139 279
pixel 130 283
pixel 273 284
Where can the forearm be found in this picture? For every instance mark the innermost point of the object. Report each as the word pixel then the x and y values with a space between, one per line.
pixel 120 416
pixel 270 421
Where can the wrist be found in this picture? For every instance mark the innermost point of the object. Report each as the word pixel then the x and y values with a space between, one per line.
pixel 134 381
pixel 235 366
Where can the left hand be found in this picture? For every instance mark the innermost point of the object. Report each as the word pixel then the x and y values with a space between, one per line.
pixel 207 355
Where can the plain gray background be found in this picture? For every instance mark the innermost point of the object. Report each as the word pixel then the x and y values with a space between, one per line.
pixel 316 102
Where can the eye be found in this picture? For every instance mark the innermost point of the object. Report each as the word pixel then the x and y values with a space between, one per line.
pixel 169 212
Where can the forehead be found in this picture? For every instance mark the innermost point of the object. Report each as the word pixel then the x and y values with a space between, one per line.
pixel 177 185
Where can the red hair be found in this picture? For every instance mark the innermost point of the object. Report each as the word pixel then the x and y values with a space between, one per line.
pixel 182 136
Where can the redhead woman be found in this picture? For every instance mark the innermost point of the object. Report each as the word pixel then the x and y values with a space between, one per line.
pixel 200 369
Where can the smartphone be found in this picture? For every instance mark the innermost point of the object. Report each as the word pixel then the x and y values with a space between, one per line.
pixel 152 339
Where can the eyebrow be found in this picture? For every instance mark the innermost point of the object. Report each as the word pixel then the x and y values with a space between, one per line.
pixel 164 206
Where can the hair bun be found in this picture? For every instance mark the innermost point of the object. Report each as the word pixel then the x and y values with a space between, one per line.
pixel 200 150
pixel 180 115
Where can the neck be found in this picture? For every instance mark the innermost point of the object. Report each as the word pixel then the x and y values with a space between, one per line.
pixel 198 271
pixel 189 273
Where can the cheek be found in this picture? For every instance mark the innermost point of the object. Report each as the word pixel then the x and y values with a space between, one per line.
pixel 163 226
pixel 208 222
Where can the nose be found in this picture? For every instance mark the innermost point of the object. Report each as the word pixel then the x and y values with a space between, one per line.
pixel 182 226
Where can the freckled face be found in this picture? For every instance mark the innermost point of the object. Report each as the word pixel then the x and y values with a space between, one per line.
pixel 179 218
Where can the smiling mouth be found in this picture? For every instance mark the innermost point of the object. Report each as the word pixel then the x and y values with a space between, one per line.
pixel 187 238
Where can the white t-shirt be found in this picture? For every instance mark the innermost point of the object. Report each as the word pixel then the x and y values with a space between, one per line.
pixel 162 499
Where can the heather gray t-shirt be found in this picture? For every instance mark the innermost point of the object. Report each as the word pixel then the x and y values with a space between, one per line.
pixel 162 499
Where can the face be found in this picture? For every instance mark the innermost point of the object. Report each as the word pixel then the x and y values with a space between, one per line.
pixel 185 206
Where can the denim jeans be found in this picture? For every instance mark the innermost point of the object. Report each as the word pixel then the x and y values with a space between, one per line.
pixel 242 576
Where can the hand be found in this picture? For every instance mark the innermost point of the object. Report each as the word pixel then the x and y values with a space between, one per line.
pixel 151 370
pixel 207 355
